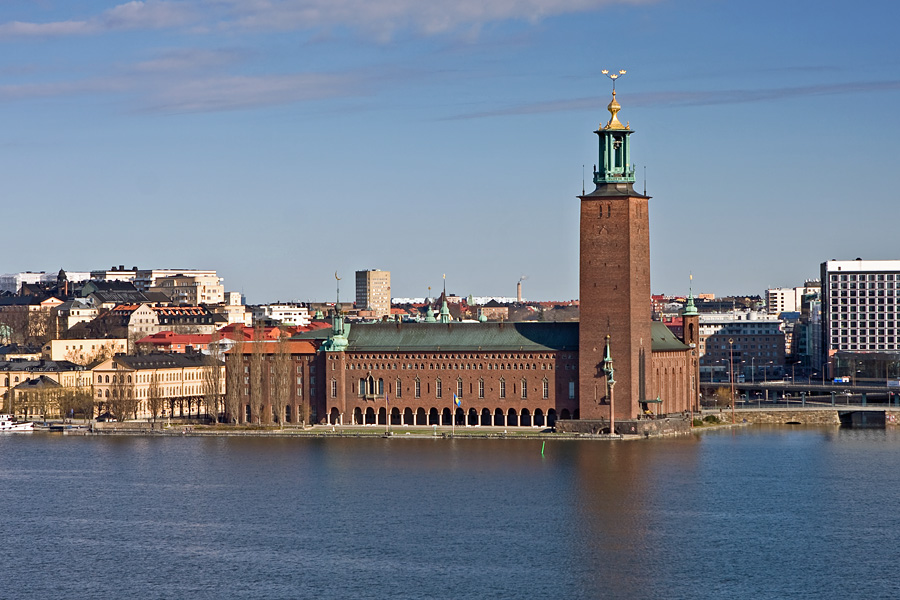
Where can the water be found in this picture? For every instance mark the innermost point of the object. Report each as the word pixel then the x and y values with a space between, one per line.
pixel 756 513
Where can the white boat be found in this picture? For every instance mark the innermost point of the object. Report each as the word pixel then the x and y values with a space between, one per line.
pixel 9 423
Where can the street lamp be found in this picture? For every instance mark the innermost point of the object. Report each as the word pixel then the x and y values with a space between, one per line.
pixel 731 352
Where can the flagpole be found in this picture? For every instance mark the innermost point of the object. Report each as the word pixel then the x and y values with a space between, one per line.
pixel 387 416
pixel 453 417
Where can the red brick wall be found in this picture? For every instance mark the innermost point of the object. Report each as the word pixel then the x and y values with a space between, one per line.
pixel 614 295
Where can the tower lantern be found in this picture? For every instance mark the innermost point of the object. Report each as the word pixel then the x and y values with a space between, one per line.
pixel 615 153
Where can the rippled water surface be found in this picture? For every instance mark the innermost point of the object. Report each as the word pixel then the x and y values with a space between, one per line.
pixel 756 513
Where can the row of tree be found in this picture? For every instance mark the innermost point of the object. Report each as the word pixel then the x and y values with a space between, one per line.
pixel 250 373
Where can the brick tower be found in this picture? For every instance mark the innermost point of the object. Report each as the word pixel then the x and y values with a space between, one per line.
pixel 614 282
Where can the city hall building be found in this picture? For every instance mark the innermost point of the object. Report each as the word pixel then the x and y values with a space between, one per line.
pixel 616 364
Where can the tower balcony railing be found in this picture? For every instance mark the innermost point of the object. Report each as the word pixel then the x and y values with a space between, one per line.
pixel 619 177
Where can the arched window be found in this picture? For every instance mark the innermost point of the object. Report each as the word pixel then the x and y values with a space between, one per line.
pixel 438 388
pixel 524 388
pixel 398 390
pixel 418 388
pixel 481 388
pixel 459 387
pixel 546 388
pixel 107 379
pixel 502 388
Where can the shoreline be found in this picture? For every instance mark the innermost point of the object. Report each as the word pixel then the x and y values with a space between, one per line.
pixel 135 429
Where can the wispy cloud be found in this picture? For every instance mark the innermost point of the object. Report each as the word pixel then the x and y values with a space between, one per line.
pixel 182 60
pixel 379 17
pixel 192 93
pixel 148 14
pixel 213 94
pixel 692 98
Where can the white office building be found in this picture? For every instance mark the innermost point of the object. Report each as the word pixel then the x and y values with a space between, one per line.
pixel 860 306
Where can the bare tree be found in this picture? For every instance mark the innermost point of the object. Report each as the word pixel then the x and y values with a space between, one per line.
pixel 155 400
pixel 257 364
pixel 76 400
pixel 281 388
pixel 45 401
pixel 9 402
pixel 234 375
pixel 39 328
pixel 122 402
pixel 212 379
pixel 79 357
pixel 15 319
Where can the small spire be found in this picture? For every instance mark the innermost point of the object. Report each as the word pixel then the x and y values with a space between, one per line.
pixel 614 107
pixel 690 309
pixel 608 363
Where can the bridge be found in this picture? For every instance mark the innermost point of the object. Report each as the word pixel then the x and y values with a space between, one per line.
pixel 812 413
pixel 787 393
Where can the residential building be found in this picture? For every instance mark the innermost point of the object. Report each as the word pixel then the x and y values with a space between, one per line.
pixel 13 373
pixel 119 273
pixel 72 312
pixel 180 380
pixel 373 292
pixel 166 342
pixel 744 343
pixel 233 309
pixel 147 278
pixel 191 289
pixel 84 351
pixel 12 282
pixel 287 314
pixel 779 300
pixel 141 320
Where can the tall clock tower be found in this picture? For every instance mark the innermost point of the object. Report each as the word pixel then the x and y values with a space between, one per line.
pixel 614 282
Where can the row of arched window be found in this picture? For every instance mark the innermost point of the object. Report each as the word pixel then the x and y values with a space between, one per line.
pixel 369 386
pixel 450 367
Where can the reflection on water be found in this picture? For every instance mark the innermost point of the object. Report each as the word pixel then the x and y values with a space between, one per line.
pixel 761 513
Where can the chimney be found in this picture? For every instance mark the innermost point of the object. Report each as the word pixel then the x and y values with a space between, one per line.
pixel 519 292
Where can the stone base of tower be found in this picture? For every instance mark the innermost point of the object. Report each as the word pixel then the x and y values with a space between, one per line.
pixel 638 427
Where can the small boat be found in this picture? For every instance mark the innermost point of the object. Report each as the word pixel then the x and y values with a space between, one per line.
pixel 9 423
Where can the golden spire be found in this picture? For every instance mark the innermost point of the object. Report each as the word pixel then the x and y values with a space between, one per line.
pixel 614 107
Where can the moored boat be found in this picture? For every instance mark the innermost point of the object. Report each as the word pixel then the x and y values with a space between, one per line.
pixel 9 423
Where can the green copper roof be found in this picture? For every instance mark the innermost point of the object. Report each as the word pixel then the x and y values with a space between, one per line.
pixel 464 337
pixel 664 340
pixel 476 337
pixel 690 309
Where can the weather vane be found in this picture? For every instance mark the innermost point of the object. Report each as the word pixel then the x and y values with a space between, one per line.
pixel 613 76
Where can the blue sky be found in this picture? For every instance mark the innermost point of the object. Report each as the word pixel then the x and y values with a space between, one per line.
pixel 279 141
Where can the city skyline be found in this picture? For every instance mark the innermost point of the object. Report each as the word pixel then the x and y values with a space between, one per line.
pixel 280 142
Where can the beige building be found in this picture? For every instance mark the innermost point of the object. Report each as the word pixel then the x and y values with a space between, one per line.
pixel 28 401
pixel 373 292
pixel 233 310
pixel 191 289
pixel 148 278
pixel 72 312
pixel 84 352
pixel 180 381
pixel 142 320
